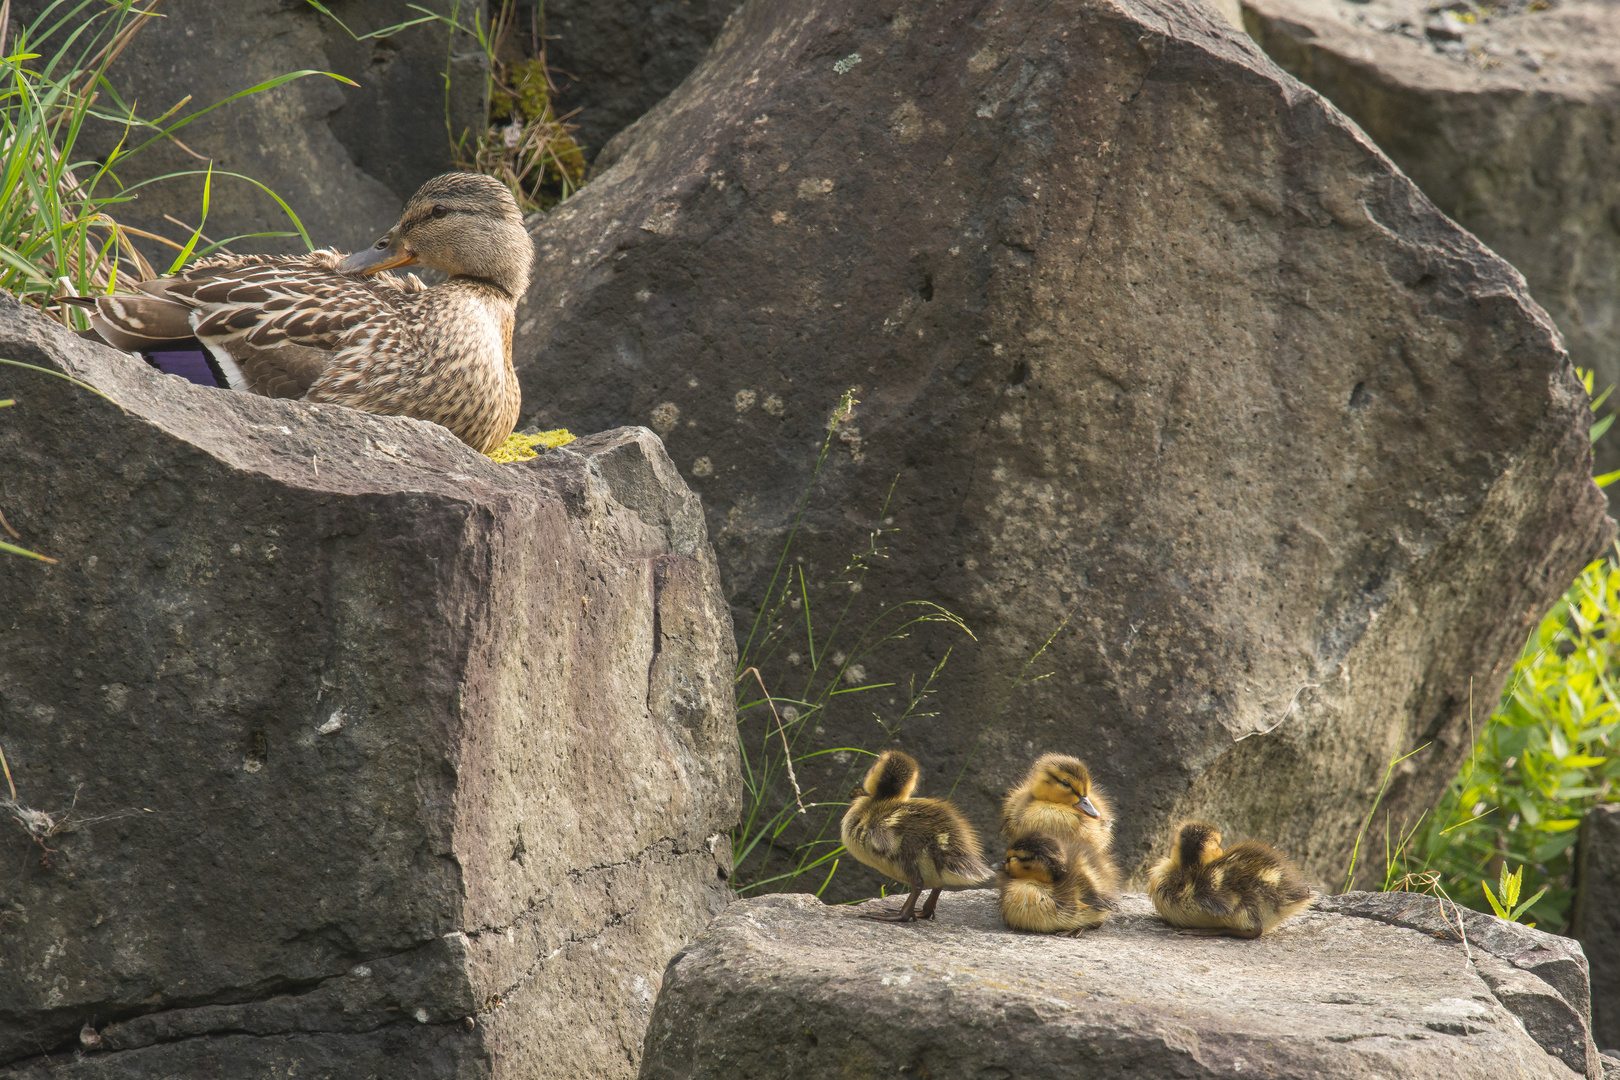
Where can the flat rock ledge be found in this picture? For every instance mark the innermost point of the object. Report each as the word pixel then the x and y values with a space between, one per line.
pixel 785 986
pixel 368 756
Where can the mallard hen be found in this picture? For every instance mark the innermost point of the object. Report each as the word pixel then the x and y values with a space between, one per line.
pixel 326 328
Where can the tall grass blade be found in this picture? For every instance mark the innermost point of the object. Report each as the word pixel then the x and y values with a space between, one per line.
pixel 1356 851
pixel 185 252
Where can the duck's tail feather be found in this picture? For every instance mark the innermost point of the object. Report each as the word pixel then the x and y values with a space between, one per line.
pixel 159 331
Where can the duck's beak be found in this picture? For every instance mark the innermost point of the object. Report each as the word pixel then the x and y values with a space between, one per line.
pixel 385 254
pixel 1086 808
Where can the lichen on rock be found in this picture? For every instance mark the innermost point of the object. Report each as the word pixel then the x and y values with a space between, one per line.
pixel 520 446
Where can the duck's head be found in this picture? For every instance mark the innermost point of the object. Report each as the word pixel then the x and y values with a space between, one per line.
pixel 466 224
pixel 1062 779
pixel 1197 842
pixel 892 776
pixel 1035 857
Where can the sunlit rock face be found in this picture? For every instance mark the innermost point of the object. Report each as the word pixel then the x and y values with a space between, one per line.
pixel 362 754
pixel 1375 985
pixel 1504 116
pixel 1168 367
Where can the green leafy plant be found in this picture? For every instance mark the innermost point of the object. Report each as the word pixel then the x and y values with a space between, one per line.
pixel 804 636
pixel 1549 752
pixel 1509 907
pixel 525 142
pixel 1600 424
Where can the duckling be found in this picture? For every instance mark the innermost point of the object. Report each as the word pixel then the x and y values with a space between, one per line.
pixel 1052 886
pixel 926 843
pixel 1057 797
pixel 1242 891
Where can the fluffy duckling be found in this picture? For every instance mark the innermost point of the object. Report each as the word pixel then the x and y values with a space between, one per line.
pixel 1053 886
pixel 1242 891
pixel 926 843
pixel 1058 798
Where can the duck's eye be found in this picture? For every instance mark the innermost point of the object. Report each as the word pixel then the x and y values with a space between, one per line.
pixel 1066 784
pixel 440 211
pixel 382 244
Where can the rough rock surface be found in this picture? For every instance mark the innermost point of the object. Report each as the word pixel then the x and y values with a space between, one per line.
pixel 1540 978
pixel 1510 123
pixel 367 755
pixel 613 59
pixel 783 986
pixel 1596 917
pixel 343 157
pixel 1164 361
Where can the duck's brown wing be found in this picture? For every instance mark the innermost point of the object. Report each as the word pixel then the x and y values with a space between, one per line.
pixel 271 322
pixel 877 832
pixel 287 372
pixel 268 305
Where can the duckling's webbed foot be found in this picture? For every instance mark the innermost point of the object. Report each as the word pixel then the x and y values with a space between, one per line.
pixel 927 911
pixel 907 912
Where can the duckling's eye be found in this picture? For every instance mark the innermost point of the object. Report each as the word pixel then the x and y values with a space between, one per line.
pixel 440 211
pixel 1066 784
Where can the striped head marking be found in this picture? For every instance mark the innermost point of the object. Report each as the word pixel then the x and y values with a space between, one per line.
pixel 1035 857
pixel 1058 778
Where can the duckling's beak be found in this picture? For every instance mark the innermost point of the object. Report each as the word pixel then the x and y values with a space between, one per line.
pixel 1086 808
pixel 385 254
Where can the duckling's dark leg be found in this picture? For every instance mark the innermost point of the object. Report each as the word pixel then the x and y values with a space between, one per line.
pixel 1224 931
pixel 906 912
pixel 928 909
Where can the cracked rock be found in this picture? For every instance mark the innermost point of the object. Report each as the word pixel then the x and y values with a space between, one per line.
pixel 1167 366
pixel 1546 1016
pixel 478 869
pixel 789 988
pixel 1504 116
pixel 1595 919
pixel 1539 977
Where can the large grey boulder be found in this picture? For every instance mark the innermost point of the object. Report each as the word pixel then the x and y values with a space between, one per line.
pixel 1164 360
pixel 1595 919
pixel 1505 118
pixel 1540 978
pixel 613 59
pixel 343 157
pixel 785 987
pixel 362 753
